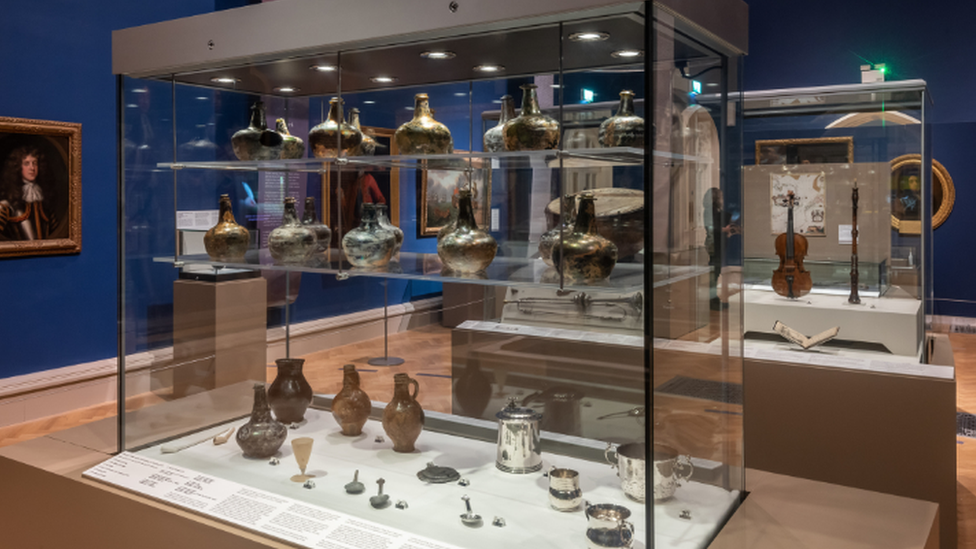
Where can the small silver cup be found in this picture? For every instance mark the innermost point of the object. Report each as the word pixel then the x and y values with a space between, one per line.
pixel 564 489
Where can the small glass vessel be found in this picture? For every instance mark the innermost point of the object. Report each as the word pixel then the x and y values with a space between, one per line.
pixel 623 129
pixel 367 147
pixel 292 146
pixel 423 134
pixel 531 130
pixel 291 243
pixel 369 245
pixel 227 241
pixel 261 436
pixel 403 418
pixel 257 142
pixel 584 254
pixel 465 248
pixel 323 234
pixel 384 221
pixel 494 139
pixel 289 394
pixel 567 219
pixel 326 138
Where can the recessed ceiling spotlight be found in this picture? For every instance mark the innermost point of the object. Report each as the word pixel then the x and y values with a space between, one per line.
pixel 460 94
pixel 131 106
pixel 591 36
pixel 368 102
pixel 555 85
pixel 323 68
pixel 438 55
pixel 383 79
pixel 286 89
pixel 139 90
pixel 712 84
pixel 627 54
pixel 489 68
pixel 224 80
pixel 202 98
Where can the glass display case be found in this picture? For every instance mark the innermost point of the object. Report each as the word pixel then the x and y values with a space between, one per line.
pixel 855 157
pixel 511 313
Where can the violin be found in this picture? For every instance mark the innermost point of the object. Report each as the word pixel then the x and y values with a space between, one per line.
pixel 791 280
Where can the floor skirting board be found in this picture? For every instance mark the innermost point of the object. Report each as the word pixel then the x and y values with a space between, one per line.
pixel 52 392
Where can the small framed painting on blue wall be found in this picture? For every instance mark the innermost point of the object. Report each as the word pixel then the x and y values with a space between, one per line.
pixel 40 187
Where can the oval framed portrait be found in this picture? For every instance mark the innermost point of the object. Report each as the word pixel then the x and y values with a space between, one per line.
pixel 906 181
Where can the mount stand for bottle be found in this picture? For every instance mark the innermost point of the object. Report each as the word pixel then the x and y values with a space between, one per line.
pixel 386 359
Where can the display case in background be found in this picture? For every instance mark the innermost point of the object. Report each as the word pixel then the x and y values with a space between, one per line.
pixel 817 142
pixel 646 361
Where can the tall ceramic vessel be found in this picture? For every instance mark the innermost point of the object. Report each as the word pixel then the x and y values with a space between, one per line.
pixel 257 142
pixel 585 255
pixel 292 146
pixel 351 406
pixel 291 243
pixel 403 418
pixel 323 234
pixel 567 220
pixel 384 221
pixel 423 134
pixel 326 138
pixel 494 139
pixel 369 245
pixel 367 147
pixel 623 129
pixel 531 130
pixel 290 394
pixel 261 436
pixel 466 248
pixel 226 241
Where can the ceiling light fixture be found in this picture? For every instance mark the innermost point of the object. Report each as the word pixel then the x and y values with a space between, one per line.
pixel 383 79
pixel 489 68
pixel 224 80
pixel 323 68
pixel 592 36
pixel 438 55
pixel 287 89
pixel 627 54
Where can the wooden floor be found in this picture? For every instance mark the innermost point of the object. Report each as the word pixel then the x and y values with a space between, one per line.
pixel 430 352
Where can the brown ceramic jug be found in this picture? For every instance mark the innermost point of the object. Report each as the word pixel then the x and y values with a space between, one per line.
pixel 351 406
pixel 290 394
pixel 403 418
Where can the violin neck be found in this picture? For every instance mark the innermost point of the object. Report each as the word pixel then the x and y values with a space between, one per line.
pixel 789 232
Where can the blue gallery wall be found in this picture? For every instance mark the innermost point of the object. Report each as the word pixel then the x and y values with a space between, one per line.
pixel 57 65
pixel 794 44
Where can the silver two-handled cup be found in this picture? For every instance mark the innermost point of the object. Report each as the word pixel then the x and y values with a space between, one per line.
pixel 564 489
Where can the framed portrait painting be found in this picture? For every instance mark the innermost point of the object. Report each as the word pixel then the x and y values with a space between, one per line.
pixel 821 150
pixel 40 187
pixel 358 184
pixel 438 193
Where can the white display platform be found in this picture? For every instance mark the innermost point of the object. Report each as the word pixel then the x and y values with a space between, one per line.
pixel 434 510
pixel 895 322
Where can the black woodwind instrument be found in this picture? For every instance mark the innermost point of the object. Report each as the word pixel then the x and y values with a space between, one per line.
pixel 854 298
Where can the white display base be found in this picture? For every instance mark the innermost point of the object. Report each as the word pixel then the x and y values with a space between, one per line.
pixel 895 322
pixel 434 510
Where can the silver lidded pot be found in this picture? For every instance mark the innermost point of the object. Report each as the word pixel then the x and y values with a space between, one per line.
pixel 519 445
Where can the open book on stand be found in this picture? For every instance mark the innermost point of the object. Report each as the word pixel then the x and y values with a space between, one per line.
pixel 803 341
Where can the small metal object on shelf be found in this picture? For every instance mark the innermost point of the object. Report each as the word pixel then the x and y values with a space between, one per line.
pixel 308 485
pixel 498 521
pixel 685 514
pixel 274 461
pixel 464 482
pixel 380 500
pixel 401 504
pixel 470 518
pixel 355 487
pixel 379 439
pixel 436 474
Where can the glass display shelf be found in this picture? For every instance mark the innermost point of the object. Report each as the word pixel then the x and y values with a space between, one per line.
pixel 574 158
pixel 503 271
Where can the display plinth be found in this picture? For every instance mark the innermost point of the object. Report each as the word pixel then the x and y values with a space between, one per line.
pixel 890 321
pixel 219 333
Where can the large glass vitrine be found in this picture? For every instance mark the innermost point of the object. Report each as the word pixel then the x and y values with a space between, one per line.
pixel 633 377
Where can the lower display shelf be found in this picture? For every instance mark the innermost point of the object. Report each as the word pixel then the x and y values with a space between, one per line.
pixel 689 519
pixel 505 271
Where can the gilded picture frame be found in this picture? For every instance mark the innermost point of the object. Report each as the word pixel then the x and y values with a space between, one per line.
pixel 40 187
pixel 905 185
pixel 437 196
pixel 354 178
pixel 819 150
